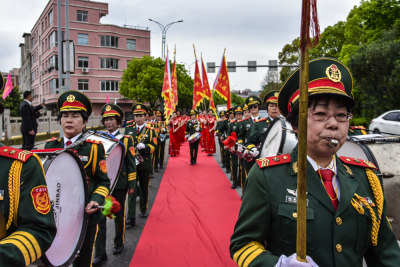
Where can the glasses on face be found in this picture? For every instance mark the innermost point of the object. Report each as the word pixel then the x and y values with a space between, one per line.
pixel 324 116
pixel 253 106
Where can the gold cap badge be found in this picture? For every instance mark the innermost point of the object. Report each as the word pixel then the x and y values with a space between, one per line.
pixel 333 73
pixel 108 108
pixel 71 98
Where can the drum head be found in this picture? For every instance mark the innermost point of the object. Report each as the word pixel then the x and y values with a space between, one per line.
pixel 114 163
pixel 65 177
pixel 279 139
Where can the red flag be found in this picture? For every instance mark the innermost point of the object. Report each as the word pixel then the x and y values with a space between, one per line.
pixel 8 88
pixel 174 85
pixel 206 87
pixel 221 84
pixel 166 90
pixel 197 88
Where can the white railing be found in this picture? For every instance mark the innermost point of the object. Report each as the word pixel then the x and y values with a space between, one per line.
pixel 11 126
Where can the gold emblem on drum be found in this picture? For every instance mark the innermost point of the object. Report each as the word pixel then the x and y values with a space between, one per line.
pixel 108 108
pixel 333 73
pixel 348 170
pixel 71 98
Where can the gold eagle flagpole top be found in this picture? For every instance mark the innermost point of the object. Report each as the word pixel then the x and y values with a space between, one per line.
pixel 305 43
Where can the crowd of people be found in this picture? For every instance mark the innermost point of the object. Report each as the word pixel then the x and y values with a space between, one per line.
pixel 346 211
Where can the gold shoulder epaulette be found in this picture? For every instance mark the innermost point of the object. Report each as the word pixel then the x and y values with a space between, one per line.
pixel 358 162
pixel 15 153
pixel 262 119
pixel 272 161
pixel 93 141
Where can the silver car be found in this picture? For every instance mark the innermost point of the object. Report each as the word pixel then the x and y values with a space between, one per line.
pixel 388 122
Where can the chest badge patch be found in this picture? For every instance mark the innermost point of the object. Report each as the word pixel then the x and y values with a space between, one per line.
pixel 1 194
pixel 40 199
pixel 132 150
pixel 103 166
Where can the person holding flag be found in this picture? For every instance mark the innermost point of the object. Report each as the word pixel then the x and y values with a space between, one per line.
pixel 346 212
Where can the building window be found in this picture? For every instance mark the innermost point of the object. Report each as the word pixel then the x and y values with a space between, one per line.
pixel 51 17
pixel 53 39
pixel 109 63
pixel 83 38
pixel 109 85
pixel 131 44
pixel 53 62
pixel 108 40
pixel 82 16
pixel 83 62
pixel 54 88
pixel 83 85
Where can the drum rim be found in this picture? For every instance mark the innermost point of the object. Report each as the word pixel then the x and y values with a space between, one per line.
pixel 85 216
pixel 112 186
pixel 282 143
pixel 367 151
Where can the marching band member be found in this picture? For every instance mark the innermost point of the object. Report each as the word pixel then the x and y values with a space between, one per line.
pixel 126 184
pixel 234 127
pixel 163 136
pixel 257 134
pixel 203 119
pixel 74 110
pixel 346 211
pixel 221 124
pixel 253 103
pixel 193 126
pixel 174 138
pixel 145 141
pixel 27 226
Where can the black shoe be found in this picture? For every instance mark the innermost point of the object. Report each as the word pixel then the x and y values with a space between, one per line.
pixel 144 214
pixel 233 186
pixel 130 222
pixel 118 249
pixel 155 170
pixel 227 171
pixel 161 167
pixel 99 260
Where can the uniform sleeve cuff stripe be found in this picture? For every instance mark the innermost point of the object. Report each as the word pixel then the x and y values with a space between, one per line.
pixel 33 240
pixel 239 252
pixel 20 246
pixel 245 254
pixel 252 256
pixel 24 240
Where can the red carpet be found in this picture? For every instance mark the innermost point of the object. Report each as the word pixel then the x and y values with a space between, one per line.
pixel 193 216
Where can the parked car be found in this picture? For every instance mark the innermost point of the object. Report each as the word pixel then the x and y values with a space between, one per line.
pixel 388 122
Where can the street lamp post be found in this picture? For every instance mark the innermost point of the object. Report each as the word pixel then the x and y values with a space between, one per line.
pixel 164 30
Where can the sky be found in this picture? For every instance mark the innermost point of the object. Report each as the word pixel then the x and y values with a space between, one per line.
pixel 248 30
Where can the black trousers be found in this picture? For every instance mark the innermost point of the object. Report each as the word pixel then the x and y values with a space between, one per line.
pixel 221 152
pixel 28 141
pixel 234 168
pixel 119 220
pixel 227 158
pixel 143 178
pixel 85 256
pixel 156 154
pixel 161 154
pixel 194 148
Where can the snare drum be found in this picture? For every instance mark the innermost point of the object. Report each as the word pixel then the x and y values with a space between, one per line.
pixel 280 139
pixel 115 152
pixel 68 192
pixel 194 137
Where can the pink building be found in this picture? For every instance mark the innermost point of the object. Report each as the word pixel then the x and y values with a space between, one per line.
pixel 102 52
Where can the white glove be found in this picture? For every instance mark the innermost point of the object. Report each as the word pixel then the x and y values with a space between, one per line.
pixel 140 146
pixel 254 152
pixel 293 262
pixel 240 149
pixel 187 136
pixel 197 128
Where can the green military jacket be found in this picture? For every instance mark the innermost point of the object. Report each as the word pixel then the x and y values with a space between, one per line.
pixel 163 128
pixel 266 227
pixel 127 176
pixel 191 127
pixel 92 155
pixel 27 226
pixel 233 126
pixel 244 130
pixel 257 133
pixel 148 137
pixel 222 127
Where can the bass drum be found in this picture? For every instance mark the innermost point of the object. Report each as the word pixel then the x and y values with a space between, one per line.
pixel 280 139
pixel 194 137
pixel 115 152
pixel 384 152
pixel 66 182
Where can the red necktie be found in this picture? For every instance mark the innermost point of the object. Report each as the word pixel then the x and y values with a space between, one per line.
pixel 137 132
pixel 68 143
pixel 327 179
